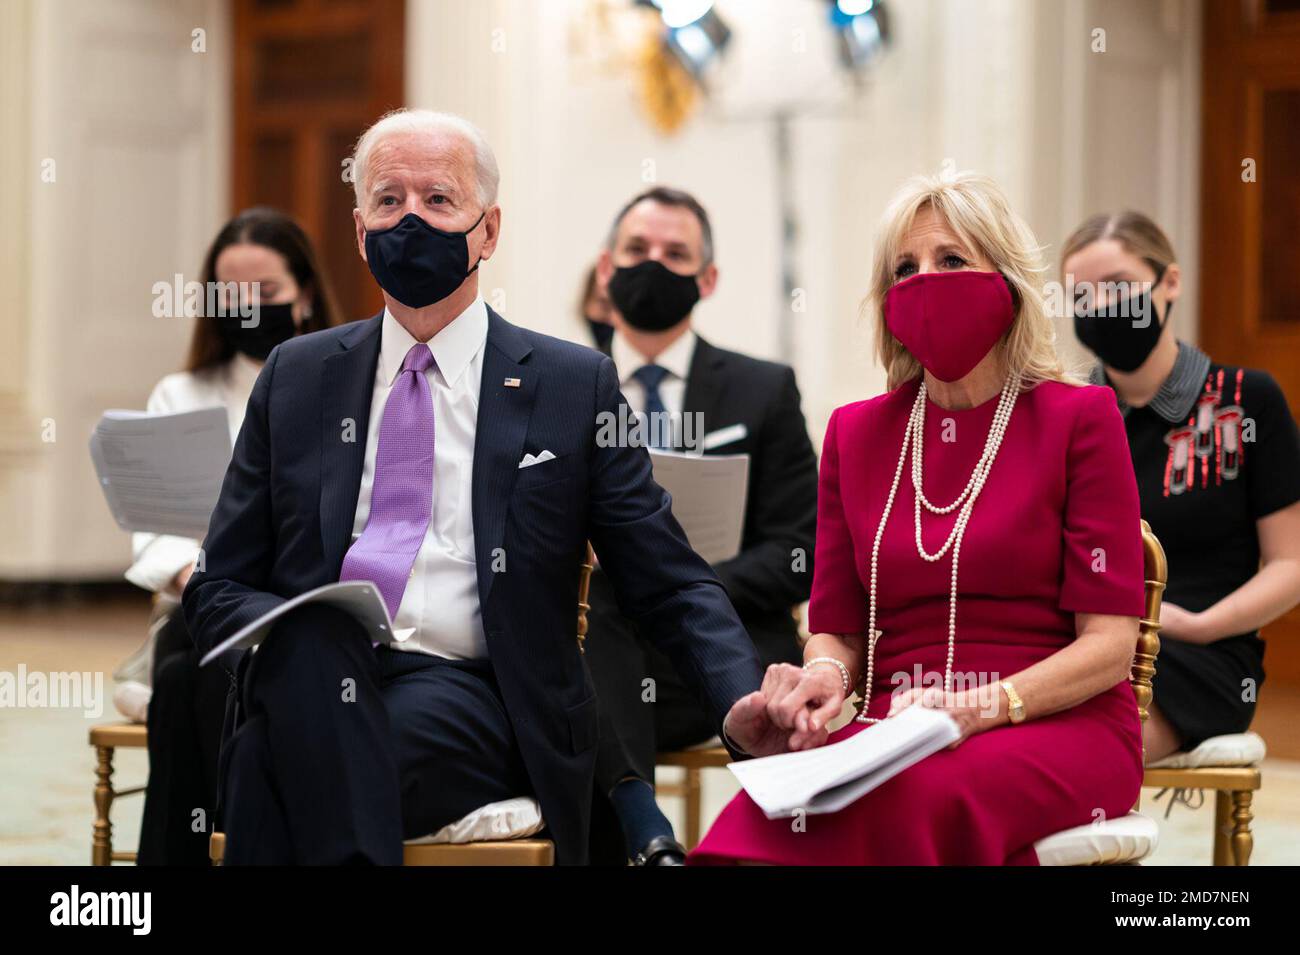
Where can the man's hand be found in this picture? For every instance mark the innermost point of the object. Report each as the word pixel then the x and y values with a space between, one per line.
pixel 789 712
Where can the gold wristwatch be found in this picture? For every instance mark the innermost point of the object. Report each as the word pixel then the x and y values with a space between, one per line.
pixel 1015 705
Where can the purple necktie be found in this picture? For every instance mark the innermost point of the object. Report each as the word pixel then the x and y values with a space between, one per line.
pixel 401 497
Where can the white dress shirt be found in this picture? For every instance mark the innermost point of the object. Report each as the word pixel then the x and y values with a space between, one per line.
pixel 440 606
pixel 158 558
pixel 676 359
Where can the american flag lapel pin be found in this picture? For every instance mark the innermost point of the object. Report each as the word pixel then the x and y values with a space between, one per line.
pixel 512 382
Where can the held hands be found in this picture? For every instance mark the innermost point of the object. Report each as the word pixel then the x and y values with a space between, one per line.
pixel 788 712
pixel 974 710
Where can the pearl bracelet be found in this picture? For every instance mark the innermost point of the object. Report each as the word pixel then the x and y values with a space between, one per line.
pixel 844 671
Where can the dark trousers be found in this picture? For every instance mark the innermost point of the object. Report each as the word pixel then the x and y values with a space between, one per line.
pixel 645 706
pixel 185 717
pixel 345 750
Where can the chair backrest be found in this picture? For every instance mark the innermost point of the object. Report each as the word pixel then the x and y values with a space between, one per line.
pixel 584 588
pixel 1155 572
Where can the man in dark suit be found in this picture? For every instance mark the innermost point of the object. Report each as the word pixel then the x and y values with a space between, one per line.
pixel 452 459
pixel 658 263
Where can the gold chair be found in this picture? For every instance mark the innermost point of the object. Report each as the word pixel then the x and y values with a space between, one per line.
pixel 693 761
pixel 1131 838
pixel 1234 777
pixel 106 740
pixel 498 852
pixel 1234 787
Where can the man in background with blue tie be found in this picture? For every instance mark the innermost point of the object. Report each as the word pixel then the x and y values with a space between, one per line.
pixel 657 264
pixel 451 458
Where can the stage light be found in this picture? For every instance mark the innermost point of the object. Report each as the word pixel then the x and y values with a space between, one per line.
pixel 697 43
pixel 682 13
pixel 694 33
pixel 862 27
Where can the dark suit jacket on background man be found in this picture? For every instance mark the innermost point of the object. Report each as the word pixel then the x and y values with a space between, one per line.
pixel 770 576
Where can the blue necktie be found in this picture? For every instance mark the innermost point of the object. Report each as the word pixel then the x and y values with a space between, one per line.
pixel 650 377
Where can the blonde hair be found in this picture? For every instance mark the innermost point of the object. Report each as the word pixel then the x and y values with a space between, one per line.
pixel 1137 233
pixel 976 210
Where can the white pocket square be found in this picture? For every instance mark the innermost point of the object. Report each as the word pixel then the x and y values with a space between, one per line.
pixel 728 435
pixel 529 460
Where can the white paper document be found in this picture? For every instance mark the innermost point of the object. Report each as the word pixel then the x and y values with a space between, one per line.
pixel 360 598
pixel 162 473
pixel 708 498
pixel 829 778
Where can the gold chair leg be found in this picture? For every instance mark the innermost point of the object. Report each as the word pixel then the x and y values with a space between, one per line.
pixel 1222 827
pixel 693 808
pixel 101 846
pixel 1243 842
pixel 1233 840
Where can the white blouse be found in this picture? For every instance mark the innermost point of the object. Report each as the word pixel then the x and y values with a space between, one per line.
pixel 159 557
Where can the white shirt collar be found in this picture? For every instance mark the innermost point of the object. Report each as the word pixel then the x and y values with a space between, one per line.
pixel 453 348
pixel 676 357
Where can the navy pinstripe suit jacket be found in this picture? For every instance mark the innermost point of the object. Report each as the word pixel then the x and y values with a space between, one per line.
pixel 284 521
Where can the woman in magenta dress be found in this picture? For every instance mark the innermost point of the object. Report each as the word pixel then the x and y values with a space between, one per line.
pixel 1007 592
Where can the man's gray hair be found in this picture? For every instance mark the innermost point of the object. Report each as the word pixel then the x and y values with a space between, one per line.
pixel 487 175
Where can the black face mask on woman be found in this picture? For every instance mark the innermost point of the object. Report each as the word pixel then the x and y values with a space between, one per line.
pixel 652 297
pixel 418 264
pixel 1123 332
pixel 602 333
pixel 274 325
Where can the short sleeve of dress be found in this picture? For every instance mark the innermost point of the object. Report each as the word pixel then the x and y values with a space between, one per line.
pixel 838 603
pixel 1101 531
pixel 1272 458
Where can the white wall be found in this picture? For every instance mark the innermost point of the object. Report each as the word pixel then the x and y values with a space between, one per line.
pixel 1006 87
pixel 138 127
pixel 135 124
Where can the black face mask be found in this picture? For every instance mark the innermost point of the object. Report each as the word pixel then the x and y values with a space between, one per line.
pixel 418 264
pixel 602 333
pixel 652 297
pixel 274 325
pixel 1122 333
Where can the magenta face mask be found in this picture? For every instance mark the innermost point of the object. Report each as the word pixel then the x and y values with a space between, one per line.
pixel 948 321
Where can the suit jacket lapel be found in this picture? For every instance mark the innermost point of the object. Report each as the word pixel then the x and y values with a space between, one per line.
pixel 503 414
pixel 347 385
pixel 706 382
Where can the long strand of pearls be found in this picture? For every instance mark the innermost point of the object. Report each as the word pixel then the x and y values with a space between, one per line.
pixel 913 440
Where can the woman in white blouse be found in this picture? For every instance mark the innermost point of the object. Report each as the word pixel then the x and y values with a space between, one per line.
pixel 185 705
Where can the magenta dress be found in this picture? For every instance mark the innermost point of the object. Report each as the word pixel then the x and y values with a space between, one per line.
pixel 1055 532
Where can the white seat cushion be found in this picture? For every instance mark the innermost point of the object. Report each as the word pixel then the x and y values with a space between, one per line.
pixel 1235 749
pixel 1127 839
pixel 132 700
pixel 508 819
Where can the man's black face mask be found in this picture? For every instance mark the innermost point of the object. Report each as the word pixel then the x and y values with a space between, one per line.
pixel 652 297
pixel 417 264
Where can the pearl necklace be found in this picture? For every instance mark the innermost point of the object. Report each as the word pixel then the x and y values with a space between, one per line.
pixel 914 440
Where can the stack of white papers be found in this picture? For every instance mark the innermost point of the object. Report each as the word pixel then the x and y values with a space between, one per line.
pixel 831 777
pixel 708 498
pixel 162 473
pixel 360 598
